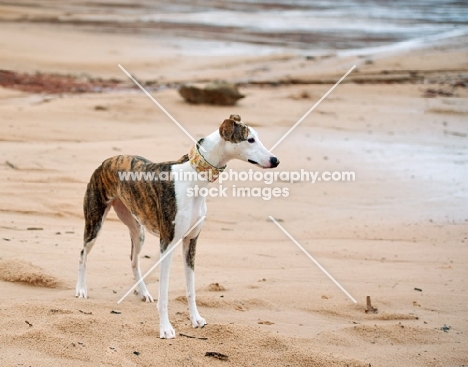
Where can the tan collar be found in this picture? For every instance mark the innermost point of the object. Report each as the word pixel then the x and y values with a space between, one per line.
pixel 200 164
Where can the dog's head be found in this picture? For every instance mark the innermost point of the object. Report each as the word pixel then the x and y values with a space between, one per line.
pixel 242 143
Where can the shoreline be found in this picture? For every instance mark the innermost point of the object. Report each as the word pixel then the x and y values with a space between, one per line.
pixel 243 46
pixel 244 27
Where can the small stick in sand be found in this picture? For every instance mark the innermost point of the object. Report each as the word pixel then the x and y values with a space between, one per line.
pixel 192 337
pixel 221 356
pixel 11 165
pixel 370 308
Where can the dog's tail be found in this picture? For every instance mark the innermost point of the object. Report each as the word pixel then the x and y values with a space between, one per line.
pixel 95 205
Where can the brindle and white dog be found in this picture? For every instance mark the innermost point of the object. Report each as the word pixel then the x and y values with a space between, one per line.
pixel 163 206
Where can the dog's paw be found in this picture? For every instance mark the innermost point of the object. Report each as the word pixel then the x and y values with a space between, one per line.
pixel 198 321
pixel 81 293
pixel 145 296
pixel 166 332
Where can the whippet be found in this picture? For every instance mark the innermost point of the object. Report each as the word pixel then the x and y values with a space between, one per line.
pixel 163 206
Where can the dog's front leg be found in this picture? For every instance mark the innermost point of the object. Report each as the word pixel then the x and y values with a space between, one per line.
pixel 166 331
pixel 189 267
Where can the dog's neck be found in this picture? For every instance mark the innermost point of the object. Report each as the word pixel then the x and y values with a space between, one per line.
pixel 206 157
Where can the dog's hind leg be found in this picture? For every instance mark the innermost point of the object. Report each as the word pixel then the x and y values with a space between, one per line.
pixel 189 267
pixel 137 236
pixel 95 212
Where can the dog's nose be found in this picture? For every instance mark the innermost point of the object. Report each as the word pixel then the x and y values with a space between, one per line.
pixel 274 162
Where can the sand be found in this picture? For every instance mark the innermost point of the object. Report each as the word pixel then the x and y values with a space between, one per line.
pixel 398 233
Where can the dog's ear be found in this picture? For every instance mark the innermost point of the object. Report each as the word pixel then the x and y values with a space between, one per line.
pixel 235 118
pixel 233 130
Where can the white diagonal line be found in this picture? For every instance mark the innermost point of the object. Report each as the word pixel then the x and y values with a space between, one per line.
pixel 161 107
pixel 315 261
pixel 312 108
pixel 168 251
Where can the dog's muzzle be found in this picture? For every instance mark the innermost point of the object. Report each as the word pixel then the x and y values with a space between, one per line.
pixel 273 162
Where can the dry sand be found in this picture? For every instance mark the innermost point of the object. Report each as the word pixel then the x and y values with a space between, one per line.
pixel 403 224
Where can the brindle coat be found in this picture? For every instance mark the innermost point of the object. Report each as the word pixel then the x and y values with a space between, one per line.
pixel 153 203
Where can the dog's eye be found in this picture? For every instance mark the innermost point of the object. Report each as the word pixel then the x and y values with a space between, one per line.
pixel 251 140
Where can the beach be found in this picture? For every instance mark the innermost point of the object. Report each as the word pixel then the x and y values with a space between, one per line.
pixel 397 233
